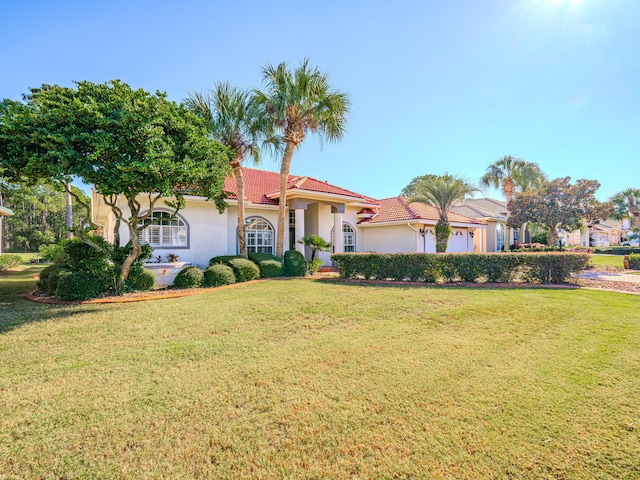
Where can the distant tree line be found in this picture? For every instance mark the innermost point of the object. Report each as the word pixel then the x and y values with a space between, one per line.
pixel 39 215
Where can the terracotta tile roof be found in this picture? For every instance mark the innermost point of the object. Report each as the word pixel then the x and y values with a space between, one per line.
pixel 398 209
pixel 261 185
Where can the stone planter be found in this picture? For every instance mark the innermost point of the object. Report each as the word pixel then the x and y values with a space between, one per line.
pixel 166 272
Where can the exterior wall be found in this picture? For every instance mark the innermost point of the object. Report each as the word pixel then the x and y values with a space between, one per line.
pixel 390 239
pixel 490 234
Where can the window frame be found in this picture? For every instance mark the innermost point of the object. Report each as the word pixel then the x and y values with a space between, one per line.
pixel 145 234
pixel 252 248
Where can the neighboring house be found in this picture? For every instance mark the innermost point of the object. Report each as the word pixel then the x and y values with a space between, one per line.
pixel 494 213
pixel 602 234
pixel 199 232
pixel 4 212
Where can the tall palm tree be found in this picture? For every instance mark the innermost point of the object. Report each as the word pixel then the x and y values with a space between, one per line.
pixel 512 175
pixel 233 117
pixel 442 192
pixel 296 103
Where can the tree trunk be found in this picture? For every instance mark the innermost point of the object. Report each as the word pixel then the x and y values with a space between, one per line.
pixel 69 211
pixel 282 204
pixel 442 235
pixel 242 239
pixel 509 185
pixel 116 232
pixel 136 250
pixel 552 236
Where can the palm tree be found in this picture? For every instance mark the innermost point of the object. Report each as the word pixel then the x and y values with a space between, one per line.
pixel 512 175
pixel 232 116
pixel 317 244
pixel 296 103
pixel 442 192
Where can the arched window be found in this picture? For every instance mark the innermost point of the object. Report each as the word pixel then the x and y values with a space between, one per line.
pixel 166 230
pixel 499 237
pixel 348 237
pixel 259 234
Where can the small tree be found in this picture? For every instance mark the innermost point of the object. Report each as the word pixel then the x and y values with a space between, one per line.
pixel 442 192
pixel 317 244
pixel 559 205
pixel 134 147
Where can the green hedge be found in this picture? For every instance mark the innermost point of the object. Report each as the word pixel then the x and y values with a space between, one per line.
pixel 224 259
pixel 79 286
pixel 188 277
pixel 244 269
pixel 295 264
pixel 218 275
pixel 553 267
pixel 616 250
pixel 9 261
pixel 634 261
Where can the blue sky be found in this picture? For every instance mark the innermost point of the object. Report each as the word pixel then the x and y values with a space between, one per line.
pixel 436 85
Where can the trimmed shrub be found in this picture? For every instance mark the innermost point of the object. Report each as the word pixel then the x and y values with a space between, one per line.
pixel 244 269
pixel 294 264
pixel 80 257
pixel 9 261
pixel 258 257
pixel 224 259
pixel 141 280
pixel 616 250
pixel 269 265
pixel 218 275
pixel 634 261
pixel 54 277
pixel 79 286
pixel 470 267
pixel 44 276
pixel 188 277
pixel 271 268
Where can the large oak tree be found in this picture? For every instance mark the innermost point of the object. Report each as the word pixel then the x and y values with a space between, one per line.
pixel 134 147
pixel 559 205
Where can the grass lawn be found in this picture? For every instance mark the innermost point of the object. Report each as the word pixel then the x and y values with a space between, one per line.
pixel 301 379
pixel 607 260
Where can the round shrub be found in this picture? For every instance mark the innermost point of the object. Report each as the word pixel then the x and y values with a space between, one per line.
pixel 224 259
pixel 141 280
pixel 188 277
pixel 79 286
pixel 244 269
pixel 294 264
pixel 218 275
pixel 271 268
pixel 53 279
pixel 80 257
pixel 44 276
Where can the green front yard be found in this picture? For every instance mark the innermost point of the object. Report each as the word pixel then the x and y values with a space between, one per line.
pixel 300 379
pixel 607 260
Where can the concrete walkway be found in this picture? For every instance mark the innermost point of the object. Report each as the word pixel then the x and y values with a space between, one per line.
pixel 610 276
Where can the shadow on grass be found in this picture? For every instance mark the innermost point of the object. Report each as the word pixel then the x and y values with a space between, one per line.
pixel 16 310
pixel 451 285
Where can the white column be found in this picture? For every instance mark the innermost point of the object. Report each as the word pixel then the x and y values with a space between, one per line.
pixel 299 213
pixel 338 238
pixel 0 234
